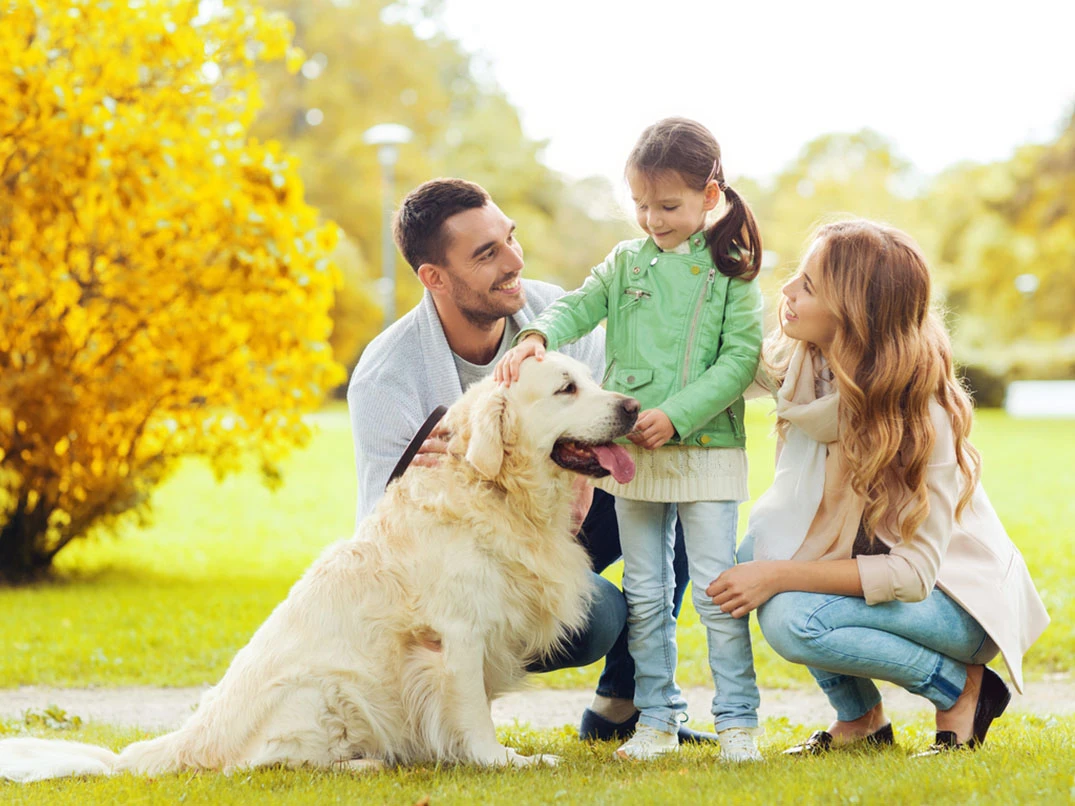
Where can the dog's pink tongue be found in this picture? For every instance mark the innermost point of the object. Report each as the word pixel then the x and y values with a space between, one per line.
pixel 615 459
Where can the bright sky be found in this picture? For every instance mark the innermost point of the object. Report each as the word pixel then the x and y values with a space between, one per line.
pixel 944 80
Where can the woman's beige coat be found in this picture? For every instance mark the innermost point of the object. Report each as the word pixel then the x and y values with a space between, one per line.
pixel 971 559
pixel 811 513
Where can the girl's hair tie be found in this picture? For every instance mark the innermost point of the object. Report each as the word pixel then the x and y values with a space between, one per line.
pixel 713 173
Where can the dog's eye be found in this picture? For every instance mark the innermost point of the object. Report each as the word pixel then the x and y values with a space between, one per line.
pixel 568 388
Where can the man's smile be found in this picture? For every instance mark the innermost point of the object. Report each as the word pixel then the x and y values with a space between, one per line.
pixel 510 286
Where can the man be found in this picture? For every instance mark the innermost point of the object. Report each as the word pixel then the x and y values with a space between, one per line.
pixel 464 251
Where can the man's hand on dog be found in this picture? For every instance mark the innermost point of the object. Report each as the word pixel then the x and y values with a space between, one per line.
pixel 433 448
pixel 507 368
pixel 580 508
pixel 652 429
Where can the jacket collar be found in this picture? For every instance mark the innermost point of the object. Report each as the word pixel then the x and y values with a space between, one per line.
pixel 648 253
pixel 698 243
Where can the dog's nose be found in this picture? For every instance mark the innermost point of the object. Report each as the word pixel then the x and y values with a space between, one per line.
pixel 630 405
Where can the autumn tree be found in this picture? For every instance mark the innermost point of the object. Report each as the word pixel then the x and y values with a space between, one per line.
pixel 165 288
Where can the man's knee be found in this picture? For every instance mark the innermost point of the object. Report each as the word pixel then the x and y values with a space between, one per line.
pixel 608 615
pixel 605 621
pixel 609 602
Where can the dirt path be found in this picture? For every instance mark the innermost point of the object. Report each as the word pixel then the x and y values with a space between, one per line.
pixel 164 708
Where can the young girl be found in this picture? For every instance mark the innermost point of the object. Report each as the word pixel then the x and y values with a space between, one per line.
pixel 684 332
pixel 876 552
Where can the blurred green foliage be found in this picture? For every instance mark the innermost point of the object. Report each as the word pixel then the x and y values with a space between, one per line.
pixel 1000 238
pixel 377 61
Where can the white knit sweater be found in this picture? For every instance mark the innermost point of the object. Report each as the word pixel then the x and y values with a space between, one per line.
pixel 683 473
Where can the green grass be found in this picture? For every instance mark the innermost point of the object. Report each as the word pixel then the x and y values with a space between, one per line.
pixel 172 603
pixel 1026 760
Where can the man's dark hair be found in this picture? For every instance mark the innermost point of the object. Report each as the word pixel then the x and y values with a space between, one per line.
pixel 419 223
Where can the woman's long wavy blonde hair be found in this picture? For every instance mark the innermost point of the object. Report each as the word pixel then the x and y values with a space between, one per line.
pixel 890 358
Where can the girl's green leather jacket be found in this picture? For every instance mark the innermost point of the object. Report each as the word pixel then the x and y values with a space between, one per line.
pixel 682 337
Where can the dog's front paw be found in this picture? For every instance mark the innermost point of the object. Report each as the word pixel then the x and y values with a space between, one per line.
pixel 360 765
pixel 516 759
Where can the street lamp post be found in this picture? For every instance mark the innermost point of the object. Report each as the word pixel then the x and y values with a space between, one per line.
pixel 388 137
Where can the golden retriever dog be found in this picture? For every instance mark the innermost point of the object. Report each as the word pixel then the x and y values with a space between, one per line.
pixel 392 646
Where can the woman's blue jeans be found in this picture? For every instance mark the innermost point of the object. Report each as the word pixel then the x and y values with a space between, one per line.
pixel 925 647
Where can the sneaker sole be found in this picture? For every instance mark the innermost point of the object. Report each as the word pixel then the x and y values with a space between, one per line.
pixel 627 757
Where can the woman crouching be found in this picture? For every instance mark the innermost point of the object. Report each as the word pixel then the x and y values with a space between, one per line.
pixel 876 553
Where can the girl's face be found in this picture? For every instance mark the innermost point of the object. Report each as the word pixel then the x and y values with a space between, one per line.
pixel 667 209
pixel 807 317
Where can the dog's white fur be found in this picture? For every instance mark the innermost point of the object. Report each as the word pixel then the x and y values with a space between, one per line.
pixel 393 644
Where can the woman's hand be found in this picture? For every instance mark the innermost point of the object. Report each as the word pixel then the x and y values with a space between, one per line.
pixel 745 587
pixel 507 368
pixel 652 429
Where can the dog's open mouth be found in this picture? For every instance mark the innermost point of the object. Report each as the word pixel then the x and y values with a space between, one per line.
pixel 595 460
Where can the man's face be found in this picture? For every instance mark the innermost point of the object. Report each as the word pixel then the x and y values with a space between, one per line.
pixel 483 265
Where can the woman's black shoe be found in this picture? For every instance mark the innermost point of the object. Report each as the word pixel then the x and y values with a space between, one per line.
pixel 993 698
pixel 821 741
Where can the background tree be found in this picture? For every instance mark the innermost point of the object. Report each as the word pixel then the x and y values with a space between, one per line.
pixel 1004 237
pixel 165 287
pixel 1007 242
pixel 377 61
pixel 834 175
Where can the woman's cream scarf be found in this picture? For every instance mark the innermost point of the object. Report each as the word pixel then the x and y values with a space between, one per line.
pixel 809 512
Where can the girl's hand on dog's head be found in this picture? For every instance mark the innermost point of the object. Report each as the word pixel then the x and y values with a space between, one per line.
pixel 507 368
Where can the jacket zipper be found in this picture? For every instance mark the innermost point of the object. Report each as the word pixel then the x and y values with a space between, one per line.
pixel 636 294
pixel 735 422
pixel 608 372
pixel 694 324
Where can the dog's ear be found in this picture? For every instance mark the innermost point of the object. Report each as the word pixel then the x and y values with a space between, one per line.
pixel 490 423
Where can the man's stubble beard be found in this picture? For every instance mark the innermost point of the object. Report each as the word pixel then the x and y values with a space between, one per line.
pixel 484 318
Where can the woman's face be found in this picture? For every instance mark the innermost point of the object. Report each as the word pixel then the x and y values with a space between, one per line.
pixel 807 317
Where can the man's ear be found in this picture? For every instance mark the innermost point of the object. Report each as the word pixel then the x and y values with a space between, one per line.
pixel 431 276
pixel 490 423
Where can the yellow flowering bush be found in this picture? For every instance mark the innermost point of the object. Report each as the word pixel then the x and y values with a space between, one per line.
pixel 165 288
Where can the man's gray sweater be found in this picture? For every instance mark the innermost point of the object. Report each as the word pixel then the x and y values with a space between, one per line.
pixel 408 370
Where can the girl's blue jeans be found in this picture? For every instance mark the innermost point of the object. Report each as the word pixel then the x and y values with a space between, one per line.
pixel 647 531
pixel 925 647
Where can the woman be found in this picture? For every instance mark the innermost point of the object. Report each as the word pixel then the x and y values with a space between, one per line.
pixel 876 553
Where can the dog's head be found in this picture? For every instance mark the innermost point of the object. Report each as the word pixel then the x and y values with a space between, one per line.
pixel 554 410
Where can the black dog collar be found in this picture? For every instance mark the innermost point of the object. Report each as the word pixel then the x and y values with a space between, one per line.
pixel 416 443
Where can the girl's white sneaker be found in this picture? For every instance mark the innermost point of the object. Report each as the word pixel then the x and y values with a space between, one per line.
pixel 738 745
pixel 648 743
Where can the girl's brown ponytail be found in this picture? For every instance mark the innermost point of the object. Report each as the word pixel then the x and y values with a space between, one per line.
pixel 734 241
